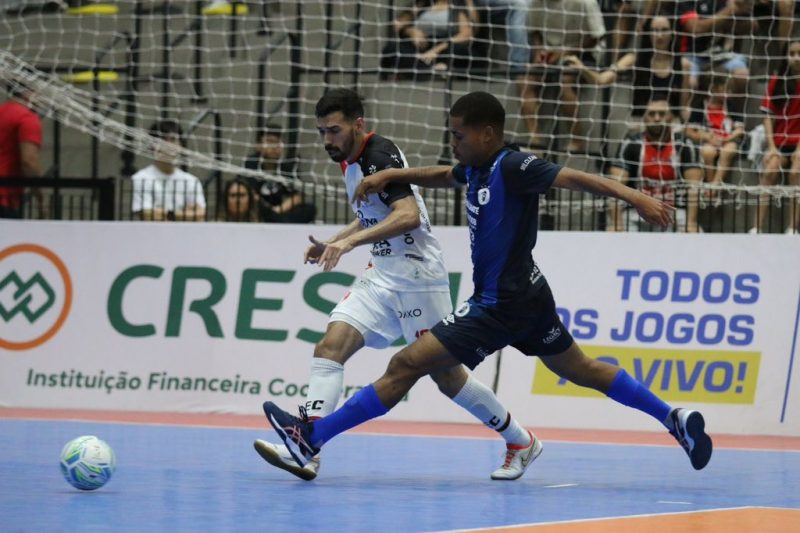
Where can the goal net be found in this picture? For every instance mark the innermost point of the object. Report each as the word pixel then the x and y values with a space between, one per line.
pixel 575 76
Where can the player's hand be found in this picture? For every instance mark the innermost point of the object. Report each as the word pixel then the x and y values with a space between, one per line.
pixel 333 252
pixel 653 210
pixel 314 251
pixel 428 57
pixel 370 184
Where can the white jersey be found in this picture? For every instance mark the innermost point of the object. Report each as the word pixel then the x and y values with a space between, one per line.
pixel 409 262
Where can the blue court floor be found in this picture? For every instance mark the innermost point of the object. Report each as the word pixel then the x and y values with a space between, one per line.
pixel 172 478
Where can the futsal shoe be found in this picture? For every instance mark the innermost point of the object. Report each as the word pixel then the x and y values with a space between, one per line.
pixel 294 432
pixel 688 428
pixel 278 455
pixel 518 458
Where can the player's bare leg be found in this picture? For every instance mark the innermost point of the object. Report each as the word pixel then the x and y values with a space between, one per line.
pixel 340 342
pixel 522 446
pixel 687 426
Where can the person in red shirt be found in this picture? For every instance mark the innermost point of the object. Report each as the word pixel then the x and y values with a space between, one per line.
pixel 657 161
pixel 712 125
pixel 20 142
pixel 781 106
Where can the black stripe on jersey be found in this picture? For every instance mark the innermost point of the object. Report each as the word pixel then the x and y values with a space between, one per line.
pixel 379 154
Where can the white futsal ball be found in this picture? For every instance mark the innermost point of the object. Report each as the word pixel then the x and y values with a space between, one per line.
pixel 87 462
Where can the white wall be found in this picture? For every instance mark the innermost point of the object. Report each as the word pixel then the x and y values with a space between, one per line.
pixel 117 332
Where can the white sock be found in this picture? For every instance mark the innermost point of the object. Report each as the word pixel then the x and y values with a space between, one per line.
pixel 479 400
pixel 324 387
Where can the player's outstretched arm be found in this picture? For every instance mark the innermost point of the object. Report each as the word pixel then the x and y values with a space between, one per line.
pixel 431 177
pixel 403 218
pixel 652 210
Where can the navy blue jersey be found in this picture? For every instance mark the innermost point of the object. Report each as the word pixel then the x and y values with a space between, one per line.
pixel 503 212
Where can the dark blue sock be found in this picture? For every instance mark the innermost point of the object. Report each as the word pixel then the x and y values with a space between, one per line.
pixel 364 405
pixel 630 392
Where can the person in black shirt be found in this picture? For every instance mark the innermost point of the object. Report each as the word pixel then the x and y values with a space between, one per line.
pixel 279 202
pixel 512 303
pixel 657 160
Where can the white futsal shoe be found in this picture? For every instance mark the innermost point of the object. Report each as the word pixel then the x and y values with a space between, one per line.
pixel 517 459
pixel 278 455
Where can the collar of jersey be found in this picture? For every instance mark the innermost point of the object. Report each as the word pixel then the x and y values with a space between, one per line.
pixel 363 147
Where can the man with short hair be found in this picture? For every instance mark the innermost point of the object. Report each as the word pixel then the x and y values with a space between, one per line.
pixel 657 159
pixel 280 201
pixel 406 272
pixel 20 143
pixel 512 303
pixel 163 191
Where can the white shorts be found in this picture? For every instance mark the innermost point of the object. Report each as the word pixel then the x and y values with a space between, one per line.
pixel 382 315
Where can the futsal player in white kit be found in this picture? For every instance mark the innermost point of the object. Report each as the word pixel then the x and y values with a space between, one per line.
pixel 403 292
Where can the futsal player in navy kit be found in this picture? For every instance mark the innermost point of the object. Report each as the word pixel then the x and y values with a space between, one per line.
pixel 512 303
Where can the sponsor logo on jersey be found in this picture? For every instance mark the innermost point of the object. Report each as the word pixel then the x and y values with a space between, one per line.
pixel 484 196
pixel 483 352
pixel 530 159
pixel 411 313
pixel 536 274
pixel 552 335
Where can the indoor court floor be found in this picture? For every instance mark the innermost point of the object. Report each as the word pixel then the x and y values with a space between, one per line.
pixel 200 473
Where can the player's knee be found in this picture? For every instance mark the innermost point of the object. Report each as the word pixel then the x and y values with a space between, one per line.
pixel 326 349
pixel 450 381
pixel 402 368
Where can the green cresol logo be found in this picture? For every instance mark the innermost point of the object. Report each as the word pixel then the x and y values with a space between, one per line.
pixel 252 283
pixel 22 295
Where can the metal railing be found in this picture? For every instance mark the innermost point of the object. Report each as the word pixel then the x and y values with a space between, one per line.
pixel 718 210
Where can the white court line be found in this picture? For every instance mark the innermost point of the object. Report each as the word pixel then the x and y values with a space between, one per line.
pixel 561 486
pixel 674 503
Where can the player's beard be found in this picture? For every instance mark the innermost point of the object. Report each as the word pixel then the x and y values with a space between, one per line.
pixel 655 131
pixel 337 154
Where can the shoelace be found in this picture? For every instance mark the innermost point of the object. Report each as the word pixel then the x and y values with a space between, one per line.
pixel 510 454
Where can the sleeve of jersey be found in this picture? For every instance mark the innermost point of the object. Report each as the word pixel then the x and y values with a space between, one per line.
pixel 527 174
pixel 31 130
pixel 394 192
pixel 460 174
pixel 687 12
pixel 628 157
pixel 690 157
pixel 696 119
pixel 767 104
pixel 381 160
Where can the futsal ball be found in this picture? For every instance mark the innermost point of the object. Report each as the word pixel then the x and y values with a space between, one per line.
pixel 87 462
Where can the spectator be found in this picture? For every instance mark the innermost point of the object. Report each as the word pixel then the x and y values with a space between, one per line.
pixel 707 28
pixel 435 34
pixel 20 142
pixel 241 202
pixel 162 191
pixel 656 69
pixel 279 202
pixel 781 106
pixel 516 28
pixel 657 158
pixel 560 28
pixel 631 16
pixel 714 128
pixel 775 18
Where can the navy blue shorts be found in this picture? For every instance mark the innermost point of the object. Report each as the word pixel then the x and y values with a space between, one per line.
pixel 475 331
